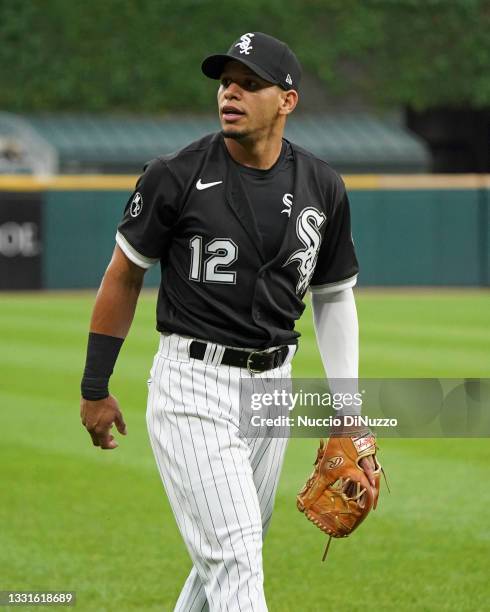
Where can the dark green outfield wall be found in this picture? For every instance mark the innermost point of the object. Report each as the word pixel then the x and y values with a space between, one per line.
pixel 416 237
pixel 403 237
pixel 79 231
pixel 422 237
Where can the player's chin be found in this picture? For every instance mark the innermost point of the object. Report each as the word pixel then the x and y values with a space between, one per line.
pixel 234 133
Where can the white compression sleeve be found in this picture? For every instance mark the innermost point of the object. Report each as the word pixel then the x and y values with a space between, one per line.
pixel 337 333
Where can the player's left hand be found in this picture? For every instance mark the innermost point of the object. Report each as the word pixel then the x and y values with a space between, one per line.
pixel 366 463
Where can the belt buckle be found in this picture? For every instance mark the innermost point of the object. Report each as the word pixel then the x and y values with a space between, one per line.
pixel 249 362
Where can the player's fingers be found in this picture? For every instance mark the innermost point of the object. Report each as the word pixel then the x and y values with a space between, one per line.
pixel 102 432
pixel 120 424
pixel 111 443
pixel 107 442
pixel 95 438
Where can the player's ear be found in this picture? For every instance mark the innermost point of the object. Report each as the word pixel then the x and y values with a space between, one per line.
pixel 289 100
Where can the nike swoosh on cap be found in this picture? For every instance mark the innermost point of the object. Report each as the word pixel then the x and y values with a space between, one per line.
pixel 200 185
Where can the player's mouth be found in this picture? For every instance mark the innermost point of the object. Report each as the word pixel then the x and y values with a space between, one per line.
pixel 231 113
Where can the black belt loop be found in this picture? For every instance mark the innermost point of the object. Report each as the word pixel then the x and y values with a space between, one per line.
pixel 255 361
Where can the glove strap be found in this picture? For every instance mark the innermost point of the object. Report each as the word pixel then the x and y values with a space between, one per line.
pixel 365 444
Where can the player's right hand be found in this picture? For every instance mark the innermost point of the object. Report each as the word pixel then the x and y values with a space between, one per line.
pixel 98 418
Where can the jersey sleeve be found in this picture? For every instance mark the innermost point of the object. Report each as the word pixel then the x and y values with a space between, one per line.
pixel 145 231
pixel 337 265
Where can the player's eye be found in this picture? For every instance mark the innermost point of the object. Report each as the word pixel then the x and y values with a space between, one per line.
pixel 250 85
pixel 225 82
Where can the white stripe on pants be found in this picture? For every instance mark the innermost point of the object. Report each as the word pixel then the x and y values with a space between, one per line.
pixel 221 487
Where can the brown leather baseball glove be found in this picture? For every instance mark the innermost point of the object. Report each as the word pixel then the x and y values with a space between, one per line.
pixel 337 497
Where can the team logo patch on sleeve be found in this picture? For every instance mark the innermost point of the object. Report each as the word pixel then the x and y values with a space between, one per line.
pixel 136 205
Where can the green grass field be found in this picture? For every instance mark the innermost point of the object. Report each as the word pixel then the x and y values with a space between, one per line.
pixel 76 518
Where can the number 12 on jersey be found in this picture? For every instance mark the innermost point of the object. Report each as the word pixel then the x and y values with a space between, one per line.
pixel 222 253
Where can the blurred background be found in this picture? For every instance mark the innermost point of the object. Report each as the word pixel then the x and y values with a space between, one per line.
pixel 396 97
pixel 390 90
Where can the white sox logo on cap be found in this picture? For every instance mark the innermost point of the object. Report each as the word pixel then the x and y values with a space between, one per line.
pixel 265 55
pixel 245 43
pixel 136 205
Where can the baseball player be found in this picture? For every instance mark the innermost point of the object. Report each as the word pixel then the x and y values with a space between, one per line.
pixel 242 222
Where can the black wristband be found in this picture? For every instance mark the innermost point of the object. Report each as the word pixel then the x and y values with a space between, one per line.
pixel 102 352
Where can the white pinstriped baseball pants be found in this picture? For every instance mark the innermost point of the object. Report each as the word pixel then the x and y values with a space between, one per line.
pixel 221 486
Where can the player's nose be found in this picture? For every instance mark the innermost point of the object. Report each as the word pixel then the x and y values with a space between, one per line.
pixel 233 90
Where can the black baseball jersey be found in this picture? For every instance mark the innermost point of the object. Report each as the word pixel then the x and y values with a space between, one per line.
pixel 269 194
pixel 191 212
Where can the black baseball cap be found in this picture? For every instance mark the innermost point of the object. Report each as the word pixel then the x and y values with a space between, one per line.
pixel 268 57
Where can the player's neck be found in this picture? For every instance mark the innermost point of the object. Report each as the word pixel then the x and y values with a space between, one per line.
pixel 261 154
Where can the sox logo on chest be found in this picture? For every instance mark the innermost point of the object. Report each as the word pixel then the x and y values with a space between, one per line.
pixel 308 227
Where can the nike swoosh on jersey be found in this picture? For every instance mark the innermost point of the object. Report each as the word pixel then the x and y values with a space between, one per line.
pixel 202 186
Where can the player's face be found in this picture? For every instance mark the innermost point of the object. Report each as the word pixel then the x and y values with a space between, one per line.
pixel 248 105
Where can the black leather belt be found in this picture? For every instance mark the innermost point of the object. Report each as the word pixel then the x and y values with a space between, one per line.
pixel 255 361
